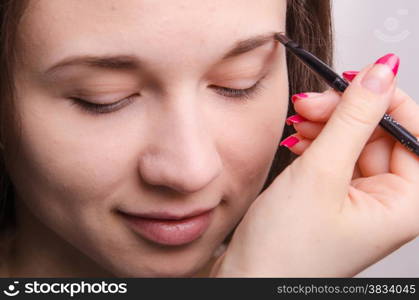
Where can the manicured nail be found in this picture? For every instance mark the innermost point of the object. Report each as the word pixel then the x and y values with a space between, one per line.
pixel 390 60
pixel 350 75
pixel 295 119
pixel 298 96
pixel 289 141
pixel 379 78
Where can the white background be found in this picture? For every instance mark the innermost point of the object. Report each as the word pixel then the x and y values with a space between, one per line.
pixel 364 31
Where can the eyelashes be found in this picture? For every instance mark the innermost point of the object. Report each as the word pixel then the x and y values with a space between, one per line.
pixel 241 93
pixel 95 109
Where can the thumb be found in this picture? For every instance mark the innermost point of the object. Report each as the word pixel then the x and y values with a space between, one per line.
pixel 362 106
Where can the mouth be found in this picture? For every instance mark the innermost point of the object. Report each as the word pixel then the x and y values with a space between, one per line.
pixel 170 230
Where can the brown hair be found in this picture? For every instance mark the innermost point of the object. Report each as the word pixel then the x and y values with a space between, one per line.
pixel 11 12
pixel 308 22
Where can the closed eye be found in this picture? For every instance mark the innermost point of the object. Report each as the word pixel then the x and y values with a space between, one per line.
pixel 95 108
pixel 240 93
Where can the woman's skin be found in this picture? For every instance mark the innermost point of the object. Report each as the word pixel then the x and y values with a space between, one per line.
pixel 327 214
pixel 178 146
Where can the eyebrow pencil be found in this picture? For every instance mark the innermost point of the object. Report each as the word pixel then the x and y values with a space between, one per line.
pixel 338 83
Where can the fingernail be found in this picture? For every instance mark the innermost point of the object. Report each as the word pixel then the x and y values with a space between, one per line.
pixel 295 119
pixel 391 60
pixel 349 75
pixel 289 141
pixel 298 96
pixel 381 75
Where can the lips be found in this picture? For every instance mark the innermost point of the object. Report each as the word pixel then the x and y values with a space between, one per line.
pixel 169 215
pixel 168 229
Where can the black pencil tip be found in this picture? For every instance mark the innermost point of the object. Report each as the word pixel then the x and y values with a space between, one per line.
pixel 280 36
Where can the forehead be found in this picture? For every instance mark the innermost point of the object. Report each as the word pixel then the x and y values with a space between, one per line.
pixel 53 29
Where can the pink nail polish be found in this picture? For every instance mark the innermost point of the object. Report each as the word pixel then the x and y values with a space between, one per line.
pixel 350 75
pixel 289 141
pixel 298 96
pixel 390 60
pixel 295 119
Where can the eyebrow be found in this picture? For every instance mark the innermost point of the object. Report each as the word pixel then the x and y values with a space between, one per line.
pixel 132 62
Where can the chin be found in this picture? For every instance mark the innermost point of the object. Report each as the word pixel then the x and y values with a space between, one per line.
pixel 162 271
pixel 158 266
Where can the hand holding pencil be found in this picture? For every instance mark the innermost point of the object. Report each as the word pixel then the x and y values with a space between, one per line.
pixel 348 200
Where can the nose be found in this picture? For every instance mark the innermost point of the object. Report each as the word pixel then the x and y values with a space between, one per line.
pixel 180 153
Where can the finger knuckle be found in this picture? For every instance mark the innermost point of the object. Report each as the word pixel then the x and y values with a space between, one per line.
pixel 357 114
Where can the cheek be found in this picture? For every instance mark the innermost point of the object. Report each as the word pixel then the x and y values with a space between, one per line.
pixel 69 176
pixel 70 165
pixel 249 144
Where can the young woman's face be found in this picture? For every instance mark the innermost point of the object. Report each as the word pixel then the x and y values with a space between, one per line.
pixel 181 141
